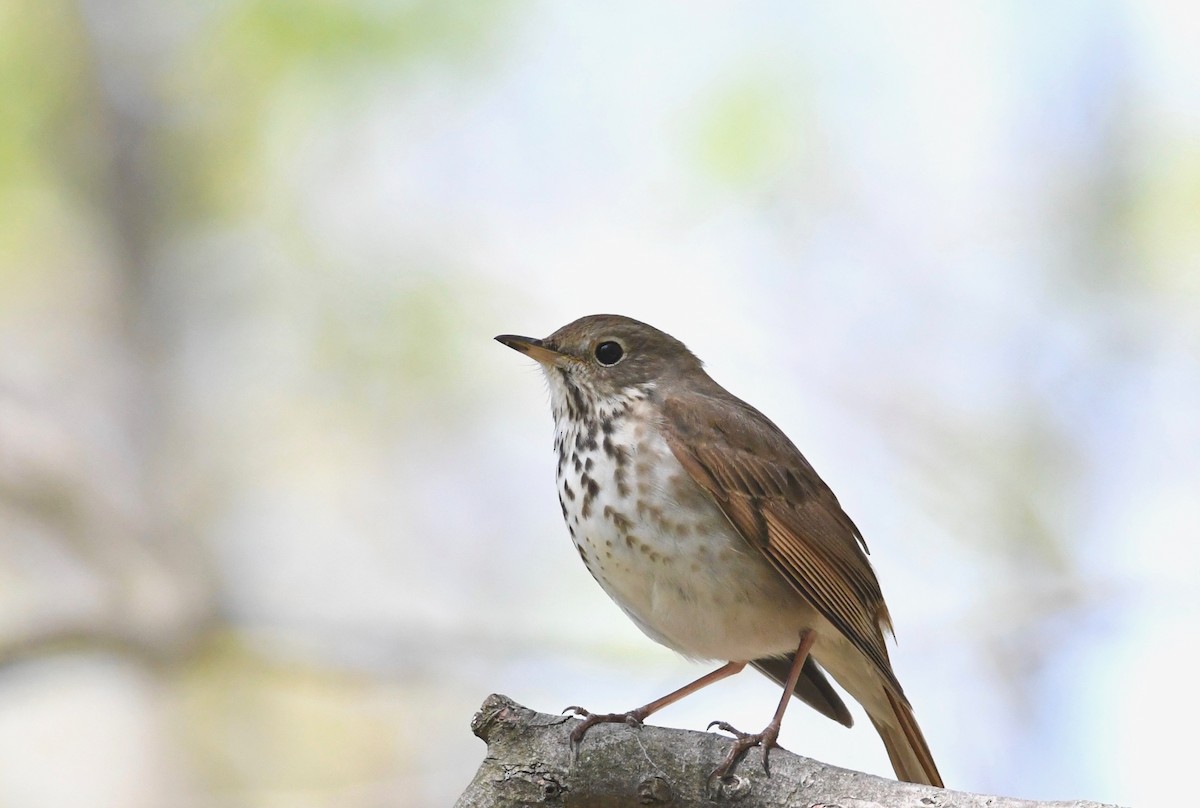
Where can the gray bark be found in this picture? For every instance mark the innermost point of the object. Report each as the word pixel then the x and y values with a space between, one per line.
pixel 529 763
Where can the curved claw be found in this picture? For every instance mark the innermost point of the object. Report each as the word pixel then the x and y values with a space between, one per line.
pixel 575 710
pixel 767 739
pixel 725 726
pixel 633 718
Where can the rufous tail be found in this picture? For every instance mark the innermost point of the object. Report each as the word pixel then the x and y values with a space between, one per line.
pixel 906 746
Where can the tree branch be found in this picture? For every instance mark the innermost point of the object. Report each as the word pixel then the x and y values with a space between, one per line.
pixel 529 763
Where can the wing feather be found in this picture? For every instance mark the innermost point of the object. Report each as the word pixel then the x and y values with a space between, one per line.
pixel 773 497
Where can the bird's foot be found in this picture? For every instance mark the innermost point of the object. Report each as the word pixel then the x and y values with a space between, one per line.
pixel 633 718
pixel 767 739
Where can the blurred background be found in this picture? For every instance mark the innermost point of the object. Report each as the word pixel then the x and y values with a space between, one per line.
pixel 276 514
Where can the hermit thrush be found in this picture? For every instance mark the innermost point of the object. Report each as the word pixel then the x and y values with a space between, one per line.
pixel 707 526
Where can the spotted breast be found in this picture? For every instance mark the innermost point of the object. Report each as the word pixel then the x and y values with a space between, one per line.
pixel 656 542
pixel 706 524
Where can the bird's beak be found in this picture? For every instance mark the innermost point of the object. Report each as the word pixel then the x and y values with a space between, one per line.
pixel 531 347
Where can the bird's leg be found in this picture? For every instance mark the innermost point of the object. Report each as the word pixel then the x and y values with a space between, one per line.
pixel 770 735
pixel 637 716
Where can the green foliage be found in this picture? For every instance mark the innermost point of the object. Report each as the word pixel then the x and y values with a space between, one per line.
pixel 278 34
pixel 46 94
pixel 749 132
pixel 43 87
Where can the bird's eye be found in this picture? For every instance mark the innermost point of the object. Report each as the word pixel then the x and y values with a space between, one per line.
pixel 609 353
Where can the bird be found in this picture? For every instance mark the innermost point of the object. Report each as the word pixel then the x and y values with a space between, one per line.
pixel 705 524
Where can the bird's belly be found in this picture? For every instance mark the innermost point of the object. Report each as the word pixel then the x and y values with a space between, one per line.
pixel 664 551
pixel 700 591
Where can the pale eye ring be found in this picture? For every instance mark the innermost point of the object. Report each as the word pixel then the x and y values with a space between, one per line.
pixel 609 352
